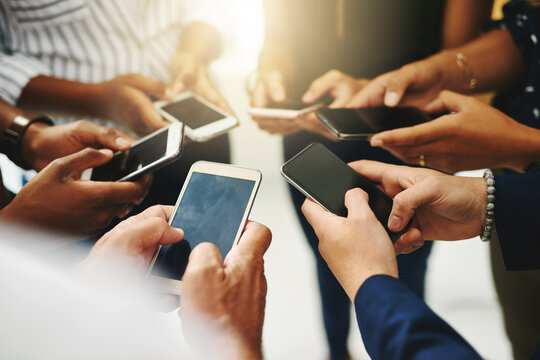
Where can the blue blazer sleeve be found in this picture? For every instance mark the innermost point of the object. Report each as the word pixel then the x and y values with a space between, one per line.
pixel 396 324
pixel 517 220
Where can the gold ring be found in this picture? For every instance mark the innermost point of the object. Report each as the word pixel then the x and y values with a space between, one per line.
pixel 422 161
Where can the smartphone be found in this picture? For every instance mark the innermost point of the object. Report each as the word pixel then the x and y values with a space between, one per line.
pixel 203 120
pixel 145 155
pixel 323 177
pixel 288 109
pixel 213 206
pixel 361 123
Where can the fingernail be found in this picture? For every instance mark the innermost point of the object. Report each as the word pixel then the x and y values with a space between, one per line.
pixel 307 97
pixel 107 152
pixel 391 98
pixel 376 142
pixel 279 95
pixel 394 223
pixel 123 143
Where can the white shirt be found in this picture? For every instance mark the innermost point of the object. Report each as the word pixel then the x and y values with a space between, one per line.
pixel 90 40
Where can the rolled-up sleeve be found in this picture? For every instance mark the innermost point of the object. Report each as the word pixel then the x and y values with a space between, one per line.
pixel 16 70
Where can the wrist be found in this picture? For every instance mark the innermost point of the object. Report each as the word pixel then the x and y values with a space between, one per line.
pixel 30 143
pixel 100 100
pixel 447 71
pixel 529 153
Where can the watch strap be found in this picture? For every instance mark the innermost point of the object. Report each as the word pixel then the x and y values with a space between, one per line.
pixel 11 140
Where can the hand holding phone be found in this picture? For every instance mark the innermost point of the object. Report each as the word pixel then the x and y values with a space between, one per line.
pixel 289 109
pixel 213 206
pixel 323 177
pixel 145 155
pixel 203 120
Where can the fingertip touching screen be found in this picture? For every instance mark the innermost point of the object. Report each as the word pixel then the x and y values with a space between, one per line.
pixel 139 156
pixel 211 210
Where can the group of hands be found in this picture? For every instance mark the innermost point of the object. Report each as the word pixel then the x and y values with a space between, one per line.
pixel 56 197
pixel 465 139
pixel 229 296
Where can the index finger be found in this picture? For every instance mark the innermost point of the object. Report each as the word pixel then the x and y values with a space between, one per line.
pixel 414 135
pixel 111 193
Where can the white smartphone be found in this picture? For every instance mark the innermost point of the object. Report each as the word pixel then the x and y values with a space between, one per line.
pixel 145 155
pixel 203 120
pixel 287 110
pixel 213 206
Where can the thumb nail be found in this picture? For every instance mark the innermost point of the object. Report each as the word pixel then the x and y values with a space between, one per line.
pixel 123 143
pixel 394 224
pixel 107 152
pixel 376 142
pixel 391 98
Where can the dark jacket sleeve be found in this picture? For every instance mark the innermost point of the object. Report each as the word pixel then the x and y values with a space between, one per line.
pixel 396 324
pixel 517 219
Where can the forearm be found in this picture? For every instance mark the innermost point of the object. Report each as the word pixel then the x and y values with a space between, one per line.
pixel 493 60
pixel 62 97
pixel 395 324
pixel 463 20
pixel 202 41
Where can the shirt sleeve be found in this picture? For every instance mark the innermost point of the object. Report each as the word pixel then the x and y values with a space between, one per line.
pixel 16 70
pixel 522 21
pixel 396 324
pixel 517 219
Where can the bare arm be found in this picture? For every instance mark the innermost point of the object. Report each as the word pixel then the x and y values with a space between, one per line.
pixel 463 20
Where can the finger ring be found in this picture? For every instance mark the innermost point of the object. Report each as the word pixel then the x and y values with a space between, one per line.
pixel 422 160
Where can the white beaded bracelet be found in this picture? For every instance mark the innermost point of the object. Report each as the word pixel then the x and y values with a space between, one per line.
pixel 490 207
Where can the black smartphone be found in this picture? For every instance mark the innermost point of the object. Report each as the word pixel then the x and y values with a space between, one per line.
pixel 323 177
pixel 361 123
pixel 145 155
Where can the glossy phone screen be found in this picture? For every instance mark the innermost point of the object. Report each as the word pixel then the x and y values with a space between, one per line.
pixel 371 120
pixel 211 210
pixel 138 156
pixel 324 177
pixel 192 112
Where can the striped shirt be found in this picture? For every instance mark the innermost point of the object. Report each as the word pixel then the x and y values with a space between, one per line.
pixel 90 40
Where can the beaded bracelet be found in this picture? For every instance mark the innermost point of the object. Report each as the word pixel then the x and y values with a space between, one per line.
pixel 490 207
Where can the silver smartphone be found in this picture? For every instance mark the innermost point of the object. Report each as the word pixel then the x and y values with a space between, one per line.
pixel 145 155
pixel 203 120
pixel 287 110
pixel 213 206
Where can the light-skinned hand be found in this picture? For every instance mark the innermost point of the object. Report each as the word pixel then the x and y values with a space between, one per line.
pixel 222 304
pixel 133 241
pixel 444 207
pixel 356 247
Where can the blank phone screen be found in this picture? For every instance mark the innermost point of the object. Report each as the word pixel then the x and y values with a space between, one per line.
pixel 326 178
pixel 192 112
pixel 211 210
pixel 372 120
pixel 138 156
